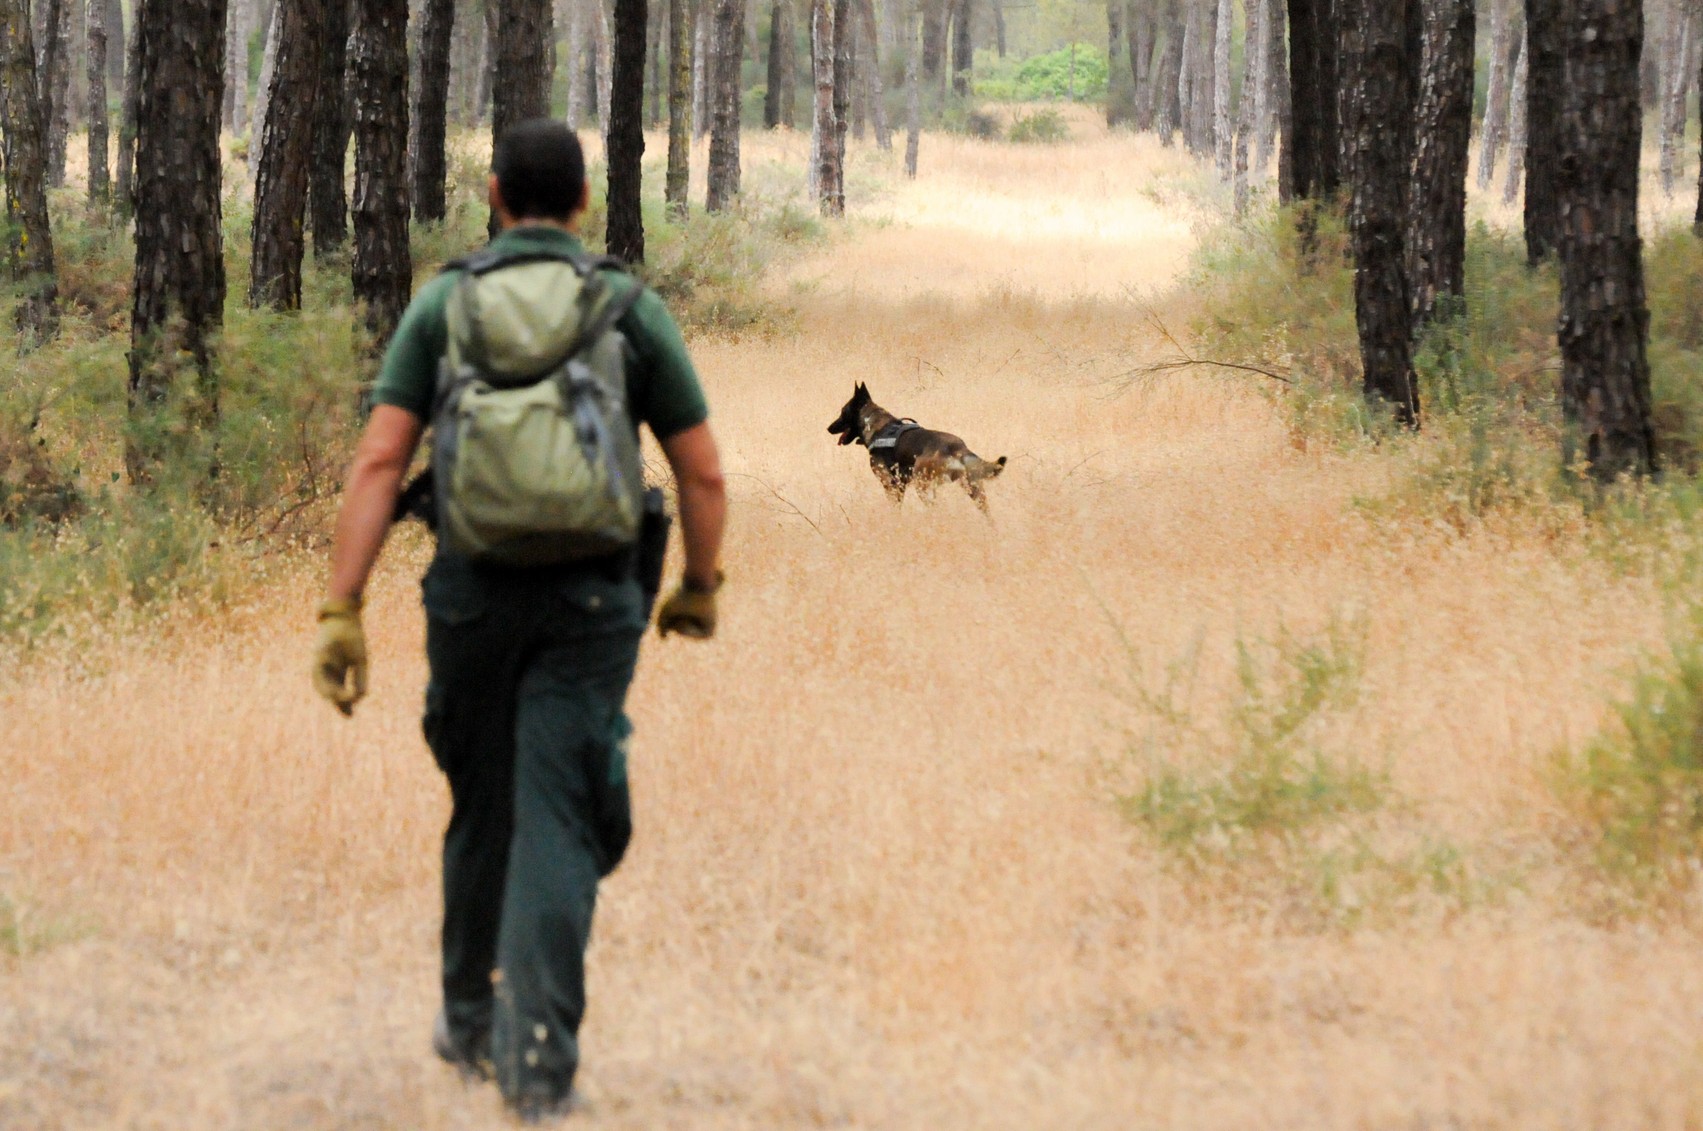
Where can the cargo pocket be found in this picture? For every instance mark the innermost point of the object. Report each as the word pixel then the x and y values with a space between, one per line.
pixel 611 800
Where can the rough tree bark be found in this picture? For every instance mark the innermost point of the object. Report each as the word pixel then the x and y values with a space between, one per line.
pixel 1494 132
pixel 729 42
pixel 1223 114
pixel 701 20
pixel 1310 160
pixel 680 28
pixel 1543 128
pixel 125 173
pixel 1120 80
pixel 824 158
pixel 383 270
pixel 1442 141
pixel 236 64
pixel 778 100
pixel 1141 29
pixel 877 91
pixel 328 196
pixel 626 135
pixel 654 30
pixel 1377 128
pixel 522 49
pixel 934 19
pixel 1274 114
pixel 55 79
pixel 1248 116
pixel 1676 86
pixel 23 160
pixel 602 44
pixel 286 149
pixel 263 93
pixel 100 175
pixel 963 47
pixel 179 291
pixel 577 61
pixel 1167 75
pixel 913 104
pixel 1605 323
pixel 430 119
pixel 844 36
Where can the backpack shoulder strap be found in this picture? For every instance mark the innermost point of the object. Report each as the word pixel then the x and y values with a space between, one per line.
pixel 486 260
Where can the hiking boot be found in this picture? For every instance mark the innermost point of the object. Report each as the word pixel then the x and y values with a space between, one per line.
pixel 472 1058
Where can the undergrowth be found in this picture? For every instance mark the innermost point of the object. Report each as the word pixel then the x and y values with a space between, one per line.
pixel 1270 795
pixel 78 544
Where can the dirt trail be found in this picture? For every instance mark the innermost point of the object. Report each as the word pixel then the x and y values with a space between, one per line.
pixel 879 879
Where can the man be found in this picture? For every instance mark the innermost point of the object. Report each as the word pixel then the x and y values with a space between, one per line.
pixel 529 667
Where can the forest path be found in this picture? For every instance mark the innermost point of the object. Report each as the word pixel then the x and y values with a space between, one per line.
pixel 880 878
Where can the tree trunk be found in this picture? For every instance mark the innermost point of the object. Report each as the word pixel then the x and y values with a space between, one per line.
pixel 1311 166
pixel 1167 76
pixel 1676 85
pixel 626 227
pixel 125 174
pixel 1543 128
pixel 1141 24
pixel 1223 114
pixel 913 106
pixel 963 46
pixel 843 63
pixel 1605 324
pixel 23 160
pixel 236 64
pixel 56 79
pixel 116 38
pixel 487 62
pixel 430 119
pixel 179 290
pixel 327 189
pixel 1517 126
pixel 729 25
pixel 1436 222
pixel 680 36
pixel 1247 120
pixel 578 56
pixel 1494 131
pixel 100 175
pixel 877 90
pixel 263 94
pixel 824 159
pixel 1378 124
pixel 602 44
pixel 286 152
pixel 653 62
pixel 523 67
pixel 701 66
pixel 777 101
pixel 383 269
pixel 933 39
pixel 1120 81
pixel 1274 117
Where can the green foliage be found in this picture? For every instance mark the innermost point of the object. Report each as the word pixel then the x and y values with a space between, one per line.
pixel 1637 787
pixel 1076 72
pixel 25 932
pixel 1043 127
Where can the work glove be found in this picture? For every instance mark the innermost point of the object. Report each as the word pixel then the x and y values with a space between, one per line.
pixel 691 611
pixel 340 655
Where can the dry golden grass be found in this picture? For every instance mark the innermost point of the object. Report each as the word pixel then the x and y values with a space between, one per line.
pixel 879 878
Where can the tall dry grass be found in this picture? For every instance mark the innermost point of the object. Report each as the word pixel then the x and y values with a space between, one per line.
pixel 880 877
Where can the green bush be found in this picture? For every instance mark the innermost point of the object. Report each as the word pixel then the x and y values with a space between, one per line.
pixel 1044 127
pixel 1078 73
pixel 1637 787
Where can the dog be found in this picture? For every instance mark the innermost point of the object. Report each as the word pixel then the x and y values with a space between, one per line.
pixel 902 452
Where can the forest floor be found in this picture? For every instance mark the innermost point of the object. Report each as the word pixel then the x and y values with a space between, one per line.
pixel 881 876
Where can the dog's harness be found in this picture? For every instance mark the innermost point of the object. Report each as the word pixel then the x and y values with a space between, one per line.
pixel 888 437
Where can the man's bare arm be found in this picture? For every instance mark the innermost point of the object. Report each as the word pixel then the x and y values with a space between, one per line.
pixel 703 501
pixel 369 496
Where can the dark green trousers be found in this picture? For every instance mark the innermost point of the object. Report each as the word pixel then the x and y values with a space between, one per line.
pixel 529 675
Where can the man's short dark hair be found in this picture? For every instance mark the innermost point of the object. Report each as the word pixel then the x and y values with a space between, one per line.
pixel 540 170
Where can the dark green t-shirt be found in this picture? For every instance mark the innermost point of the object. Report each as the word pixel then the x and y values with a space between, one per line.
pixel 662 387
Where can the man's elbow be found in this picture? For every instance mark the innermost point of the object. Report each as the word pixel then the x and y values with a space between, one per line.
pixel 703 481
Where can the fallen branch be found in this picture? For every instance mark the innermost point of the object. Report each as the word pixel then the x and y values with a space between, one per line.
pixel 1183 359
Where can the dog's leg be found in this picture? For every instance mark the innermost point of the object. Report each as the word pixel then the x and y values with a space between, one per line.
pixel 977 495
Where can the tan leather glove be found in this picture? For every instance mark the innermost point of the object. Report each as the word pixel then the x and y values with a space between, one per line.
pixel 340 655
pixel 691 611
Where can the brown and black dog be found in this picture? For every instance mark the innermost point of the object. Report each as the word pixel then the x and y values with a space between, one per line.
pixel 902 452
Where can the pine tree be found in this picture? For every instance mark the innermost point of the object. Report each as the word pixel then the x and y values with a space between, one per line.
pixel 383 269
pixel 286 150
pixel 1436 222
pixel 728 43
pixel 430 119
pixel 179 290
pixel 328 196
pixel 1605 322
pixel 1543 128
pixel 680 51
pixel 23 160
pixel 100 176
pixel 626 136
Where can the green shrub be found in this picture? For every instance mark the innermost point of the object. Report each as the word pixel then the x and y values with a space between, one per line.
pixel 1637 787
pixel 1072 72
pixel 1045 127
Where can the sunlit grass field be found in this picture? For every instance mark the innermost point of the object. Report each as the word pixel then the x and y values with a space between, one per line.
pixel 1187 791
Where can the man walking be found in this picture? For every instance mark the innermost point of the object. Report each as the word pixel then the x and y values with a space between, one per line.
pixel 529 663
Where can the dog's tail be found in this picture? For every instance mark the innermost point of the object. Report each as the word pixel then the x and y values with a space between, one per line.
pixel 980 468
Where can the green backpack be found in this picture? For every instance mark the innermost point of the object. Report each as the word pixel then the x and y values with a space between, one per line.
pixel 535 457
